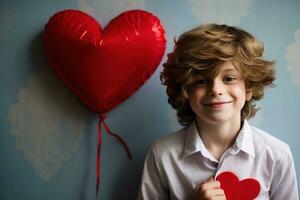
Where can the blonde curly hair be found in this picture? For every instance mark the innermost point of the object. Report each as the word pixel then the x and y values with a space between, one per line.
pixel 201 51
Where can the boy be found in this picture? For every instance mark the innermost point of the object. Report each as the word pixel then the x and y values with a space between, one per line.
pixel 213 77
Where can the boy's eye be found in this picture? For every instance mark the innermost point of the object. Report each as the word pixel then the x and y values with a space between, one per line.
pixel 229 79
pixel 200 82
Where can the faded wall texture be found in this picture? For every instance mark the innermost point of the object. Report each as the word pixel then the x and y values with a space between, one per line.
pixel 48 138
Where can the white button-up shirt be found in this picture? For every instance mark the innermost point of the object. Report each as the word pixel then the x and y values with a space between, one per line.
pixel 176 164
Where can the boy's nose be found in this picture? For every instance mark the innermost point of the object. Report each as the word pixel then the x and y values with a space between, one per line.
pixel 215 89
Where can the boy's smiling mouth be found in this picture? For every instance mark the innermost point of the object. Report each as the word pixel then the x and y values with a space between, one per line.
pixel 216 103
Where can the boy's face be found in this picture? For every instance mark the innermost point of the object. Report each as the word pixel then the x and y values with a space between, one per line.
pixel 219 99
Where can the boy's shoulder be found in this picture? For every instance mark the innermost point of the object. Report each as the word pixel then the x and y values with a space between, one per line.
pixel 172 143
pixel 265 142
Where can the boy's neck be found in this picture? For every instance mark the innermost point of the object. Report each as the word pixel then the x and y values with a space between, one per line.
pixel 218 137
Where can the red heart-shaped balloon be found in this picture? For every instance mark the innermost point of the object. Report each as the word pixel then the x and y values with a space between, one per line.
pixel 246 189
pixel 104 67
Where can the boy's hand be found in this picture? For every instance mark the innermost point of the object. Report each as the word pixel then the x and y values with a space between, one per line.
pixel 210 190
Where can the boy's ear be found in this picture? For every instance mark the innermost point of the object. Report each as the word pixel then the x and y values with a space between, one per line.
pixel 249 94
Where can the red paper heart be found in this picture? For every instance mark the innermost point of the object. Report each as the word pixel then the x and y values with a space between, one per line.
pixel 104 67
pixel 246 189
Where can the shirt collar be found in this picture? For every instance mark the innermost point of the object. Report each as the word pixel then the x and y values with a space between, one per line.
pixel 192 140
pixel 244 140
pixel 194 144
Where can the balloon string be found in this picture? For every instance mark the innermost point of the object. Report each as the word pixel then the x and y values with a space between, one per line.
pixel 119 139
pixel 98 154
pixel 101 120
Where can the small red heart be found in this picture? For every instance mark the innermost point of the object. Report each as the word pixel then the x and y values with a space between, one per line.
pixel 246 189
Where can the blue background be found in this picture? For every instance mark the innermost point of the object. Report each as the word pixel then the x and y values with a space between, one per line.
pixel 48 139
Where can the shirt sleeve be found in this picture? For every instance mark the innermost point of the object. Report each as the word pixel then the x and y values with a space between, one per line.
pixel 284 184
pixel 153 184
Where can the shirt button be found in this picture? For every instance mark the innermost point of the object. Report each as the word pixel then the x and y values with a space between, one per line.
pixel 233 151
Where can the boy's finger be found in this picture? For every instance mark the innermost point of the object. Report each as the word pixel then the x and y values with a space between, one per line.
pixel 217 192
pixel 210 185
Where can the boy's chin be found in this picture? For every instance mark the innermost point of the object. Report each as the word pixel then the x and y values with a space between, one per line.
pixel 217 119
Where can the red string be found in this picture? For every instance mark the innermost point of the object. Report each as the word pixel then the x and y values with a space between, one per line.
pixel 101 120
pixel 119 139
pixel 98 152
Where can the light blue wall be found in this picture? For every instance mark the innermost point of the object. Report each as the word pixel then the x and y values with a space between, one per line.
pixel 48 139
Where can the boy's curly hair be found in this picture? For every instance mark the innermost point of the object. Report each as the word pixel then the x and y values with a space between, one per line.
pixel 202 50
